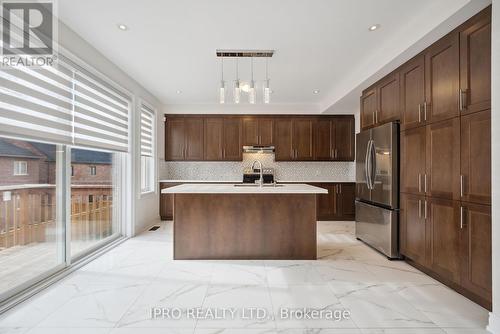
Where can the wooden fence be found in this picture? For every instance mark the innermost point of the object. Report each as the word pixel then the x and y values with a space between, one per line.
pixel 28 214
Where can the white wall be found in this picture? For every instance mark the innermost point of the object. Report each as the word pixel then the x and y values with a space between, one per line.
pixel 145 209
pixel 494 325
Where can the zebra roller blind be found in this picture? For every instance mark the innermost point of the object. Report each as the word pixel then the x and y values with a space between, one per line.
pixel 65 104
pixel 147 127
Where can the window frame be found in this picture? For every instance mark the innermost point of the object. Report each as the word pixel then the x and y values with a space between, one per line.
pixel 92 170
pixel 153 168
pixel 18 163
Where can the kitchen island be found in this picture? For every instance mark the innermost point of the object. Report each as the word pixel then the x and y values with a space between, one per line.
pixel 242 221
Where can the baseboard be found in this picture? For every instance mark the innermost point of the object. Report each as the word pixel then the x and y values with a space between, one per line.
pixel 494 324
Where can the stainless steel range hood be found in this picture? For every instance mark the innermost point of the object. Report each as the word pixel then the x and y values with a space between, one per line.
pixel 258 149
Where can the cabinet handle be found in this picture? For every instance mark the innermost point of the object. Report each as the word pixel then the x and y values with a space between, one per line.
pixel 419 208
pixel 419 182
pixel 462 223
pixel 419 113
pixel 223 152
pixel 340 188
pixel 373 117
pixel 336 153
pixel 376 116
pixel 461 185
pixel 425 209
pixel 425 110
pixel 425 183
pixel 461 99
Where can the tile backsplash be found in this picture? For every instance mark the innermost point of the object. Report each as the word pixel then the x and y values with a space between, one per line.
pixel 284 171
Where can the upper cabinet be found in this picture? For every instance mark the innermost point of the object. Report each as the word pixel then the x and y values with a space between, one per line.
pixel 412 79
pixel 368 108
pixel 184 138
pixel 475 65
pixel 295 138
pixel 442 79
pixel 388 99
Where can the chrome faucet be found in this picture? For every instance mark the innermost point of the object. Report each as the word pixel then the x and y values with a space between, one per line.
pixel 261 179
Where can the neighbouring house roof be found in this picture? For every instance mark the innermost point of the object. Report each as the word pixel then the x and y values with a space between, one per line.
pixel 78 156
pixel 10 150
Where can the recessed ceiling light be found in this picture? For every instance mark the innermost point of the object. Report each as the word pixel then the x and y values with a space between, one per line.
pixel 123 27
pixel 316 91
pixel 179 91
pixel 374 27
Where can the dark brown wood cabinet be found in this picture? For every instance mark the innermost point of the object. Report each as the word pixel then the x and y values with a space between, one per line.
pixel 257 131
pixel 302 139
pixel 388 109
pixel 184 138
pixel 475 166
pixel 442 175
pixel 412 160
pixel 412 78
pixel 338 204
pixel 413 228
pixel 166 202
pixel 324 139
pixel 283 139
pixel 444 237
pixel 476 250
pixel 368 108
pixel 223 139
pixel 442 79
pixel 334 139
pixel 475 64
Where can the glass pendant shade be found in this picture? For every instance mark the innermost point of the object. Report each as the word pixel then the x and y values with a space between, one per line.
pixel 267 92
pixel 237 92
pixel 222 92
pixel 251 93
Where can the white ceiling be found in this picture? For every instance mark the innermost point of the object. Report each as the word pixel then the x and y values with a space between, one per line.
pixel 320 44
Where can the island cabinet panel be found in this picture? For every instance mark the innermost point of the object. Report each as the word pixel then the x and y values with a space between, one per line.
pixel 413 228
pixel 368 108
pixel 476 250
pixel 443 160
pixel 283 140
pixel 475 64
pixel 442 79
pixel 214 138
pixel 444 237
pixel 476 157
pixel 388 109
pixel 166 202
pixel 412 77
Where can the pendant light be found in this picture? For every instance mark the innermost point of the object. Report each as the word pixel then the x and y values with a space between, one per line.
pixel 267 91
pixel 222 89
pixel 251 92
pixel 237 89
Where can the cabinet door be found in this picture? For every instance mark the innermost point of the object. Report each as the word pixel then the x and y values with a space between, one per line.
pixel 476 157
pixel 214 138
pixel 266 131
pixel 343 142
pixel 194 138
pixel 444 237
pixel 388 95
pixel 475 64
pixel 442 78
pixel 412 78
pixel 166 202
pixel 345 201
pixel 443 159
pixel 232 139
pixel 476 249
pixel 368 108
pixel 283 140
pixel 302 139
pixel 413 231
pixel 325 203
pixel 250 131
pixel 413 153
pixel 323 135
pixel 174 139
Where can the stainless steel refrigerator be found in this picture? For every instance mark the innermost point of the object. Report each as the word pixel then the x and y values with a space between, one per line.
pixel 377 188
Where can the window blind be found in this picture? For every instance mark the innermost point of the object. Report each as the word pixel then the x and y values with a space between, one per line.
pixel 64 104
pixel 147 131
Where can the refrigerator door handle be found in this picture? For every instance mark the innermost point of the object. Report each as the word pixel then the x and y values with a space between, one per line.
pixel 373 164
pixel 367 178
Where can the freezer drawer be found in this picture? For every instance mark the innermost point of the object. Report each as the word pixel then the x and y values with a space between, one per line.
pixel 378 227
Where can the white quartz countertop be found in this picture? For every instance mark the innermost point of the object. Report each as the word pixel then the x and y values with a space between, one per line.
pixel 240 181
pixel 231 188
